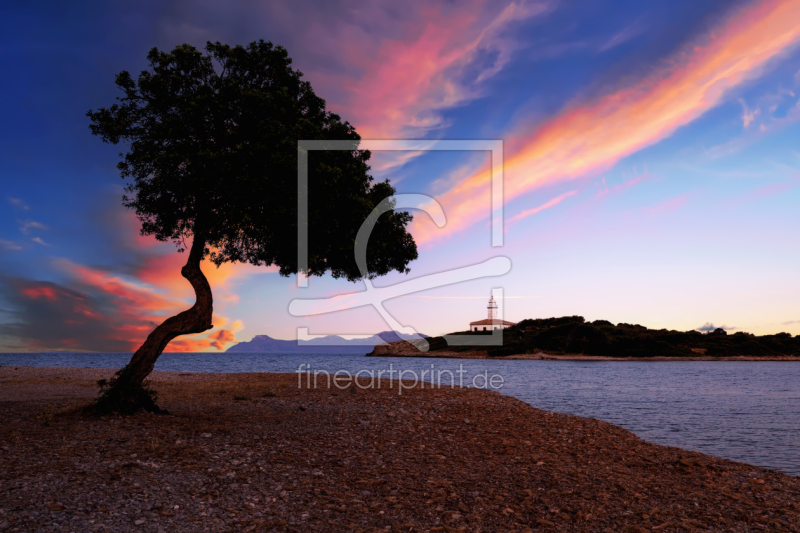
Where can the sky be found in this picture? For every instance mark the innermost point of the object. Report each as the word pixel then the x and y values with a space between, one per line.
pixel 651 164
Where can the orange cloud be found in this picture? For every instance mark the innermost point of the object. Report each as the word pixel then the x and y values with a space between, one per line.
pixel 140 304
pixel 221 338
pixel 216 340
pixel 132 297
pixel 188 345
pixel 157 290
pixel 590 137
pixel 164 271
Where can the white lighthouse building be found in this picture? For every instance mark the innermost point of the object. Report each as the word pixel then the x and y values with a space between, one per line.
pixel 491 322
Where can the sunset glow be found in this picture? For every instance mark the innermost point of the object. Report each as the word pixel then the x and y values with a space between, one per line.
pixel 651 169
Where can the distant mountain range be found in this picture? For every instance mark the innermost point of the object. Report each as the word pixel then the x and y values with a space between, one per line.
pixel 328 344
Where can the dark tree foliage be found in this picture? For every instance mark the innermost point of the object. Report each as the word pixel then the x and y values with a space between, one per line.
pixel 213 151
pixel 573 335
pixel 211 165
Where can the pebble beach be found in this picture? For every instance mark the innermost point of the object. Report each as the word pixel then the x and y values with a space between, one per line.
pixel 263 452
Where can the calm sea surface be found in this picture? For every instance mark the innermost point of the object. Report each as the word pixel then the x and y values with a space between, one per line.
pixel 745 411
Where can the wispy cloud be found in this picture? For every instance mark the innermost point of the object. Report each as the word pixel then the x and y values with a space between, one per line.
pixel 391 71
pixel 748 115
pixel 627 33
pixel 27 225
pixel 10 245
pixel 763 191
pixel 773 189
pixel 771 112
pixel 547 205
pixel 668 205
pixel 18 203
pixel 38 240
pixel 589 137
pixel 408 79
pixel 605 190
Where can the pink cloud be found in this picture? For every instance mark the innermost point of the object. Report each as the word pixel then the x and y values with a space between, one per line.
pixel 408 72
pixel 547 205
pixel 616 189
pixel 136 309
pixel 764 191
pixel 589 137
pixel 133 304
pixel 40 292
pixel 668 205
pixel 773 189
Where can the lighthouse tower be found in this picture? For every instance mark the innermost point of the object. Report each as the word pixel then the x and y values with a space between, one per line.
pixel 492 322
pixel 492 307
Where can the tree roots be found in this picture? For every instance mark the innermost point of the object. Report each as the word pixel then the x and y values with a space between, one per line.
pixel 116 396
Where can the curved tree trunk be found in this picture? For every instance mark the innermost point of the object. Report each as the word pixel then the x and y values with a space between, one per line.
pixel 125 392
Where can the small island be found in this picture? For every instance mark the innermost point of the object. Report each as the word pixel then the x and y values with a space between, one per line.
pixel 572 337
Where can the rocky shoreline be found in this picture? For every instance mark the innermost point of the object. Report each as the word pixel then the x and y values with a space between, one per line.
pixel 262 452
pixel 406 349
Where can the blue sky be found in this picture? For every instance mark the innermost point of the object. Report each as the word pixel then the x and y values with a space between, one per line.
pixel 651 168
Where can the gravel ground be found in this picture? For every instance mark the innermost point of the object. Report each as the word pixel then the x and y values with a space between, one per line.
pixel 255 452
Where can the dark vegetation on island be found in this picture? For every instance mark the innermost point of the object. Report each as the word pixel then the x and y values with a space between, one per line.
pixel 574 335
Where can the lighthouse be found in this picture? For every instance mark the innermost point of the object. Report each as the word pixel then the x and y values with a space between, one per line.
pixel 491 322
pixel 492 307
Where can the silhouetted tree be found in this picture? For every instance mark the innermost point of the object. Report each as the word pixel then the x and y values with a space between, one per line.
pixel 212 166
